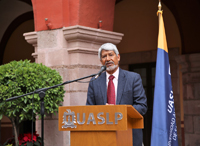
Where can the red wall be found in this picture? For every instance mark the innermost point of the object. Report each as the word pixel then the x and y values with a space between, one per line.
pixel 63 13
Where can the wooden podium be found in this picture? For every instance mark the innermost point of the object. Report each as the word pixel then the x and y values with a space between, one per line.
pixel 100 125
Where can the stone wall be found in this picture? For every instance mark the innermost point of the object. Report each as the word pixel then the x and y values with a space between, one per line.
pixel 191 93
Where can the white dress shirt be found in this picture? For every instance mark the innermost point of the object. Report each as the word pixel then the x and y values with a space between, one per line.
pixel 115 81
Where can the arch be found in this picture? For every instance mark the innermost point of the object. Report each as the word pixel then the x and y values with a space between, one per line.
pixel 139 23
pixel 186 15
pixel 27 1
pixel 15 23
pixel 170 5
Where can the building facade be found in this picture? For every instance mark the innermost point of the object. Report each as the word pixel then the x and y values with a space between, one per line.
pixel 65 35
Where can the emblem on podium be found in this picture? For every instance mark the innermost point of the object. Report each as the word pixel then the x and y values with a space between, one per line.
pixel 69 119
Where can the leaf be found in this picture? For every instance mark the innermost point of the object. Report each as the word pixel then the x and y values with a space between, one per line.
pixel 29 144
pixel 14 112
pixel 36 143
pixel 25 110
pixel 25 100
pixel 1 116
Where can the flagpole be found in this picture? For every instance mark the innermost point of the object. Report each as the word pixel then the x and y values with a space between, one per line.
pixel 159 9
pixel 164 129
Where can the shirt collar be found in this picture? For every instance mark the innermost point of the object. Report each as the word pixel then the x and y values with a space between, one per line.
pixel 115 74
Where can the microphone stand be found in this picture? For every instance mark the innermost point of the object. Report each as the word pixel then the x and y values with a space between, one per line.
pixel 41 93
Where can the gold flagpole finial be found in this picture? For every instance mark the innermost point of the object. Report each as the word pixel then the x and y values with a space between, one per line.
pixel 159 8
pixel 159 5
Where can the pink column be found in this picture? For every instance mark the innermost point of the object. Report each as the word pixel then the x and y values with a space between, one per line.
pixel 72 51
pixel 68 35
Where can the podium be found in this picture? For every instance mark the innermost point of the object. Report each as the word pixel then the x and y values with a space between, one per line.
pixel 100 125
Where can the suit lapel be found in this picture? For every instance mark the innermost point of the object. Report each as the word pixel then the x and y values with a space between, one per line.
pixel 121 85
pixel 103 88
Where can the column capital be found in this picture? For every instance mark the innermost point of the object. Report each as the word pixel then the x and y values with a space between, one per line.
pixel 31 38
pixel 86 39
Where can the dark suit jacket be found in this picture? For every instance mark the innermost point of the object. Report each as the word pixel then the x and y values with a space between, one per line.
pixel 129 91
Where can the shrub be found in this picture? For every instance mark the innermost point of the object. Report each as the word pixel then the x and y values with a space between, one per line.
pixel 21 77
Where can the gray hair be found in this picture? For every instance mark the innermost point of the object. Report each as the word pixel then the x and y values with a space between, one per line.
pixel 108 47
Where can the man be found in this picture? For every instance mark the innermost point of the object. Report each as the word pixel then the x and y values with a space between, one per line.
pixel 117 86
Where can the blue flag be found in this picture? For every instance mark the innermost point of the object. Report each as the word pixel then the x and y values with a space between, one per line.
pixel 164 129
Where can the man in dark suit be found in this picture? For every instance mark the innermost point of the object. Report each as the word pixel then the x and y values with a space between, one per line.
pixel 126 87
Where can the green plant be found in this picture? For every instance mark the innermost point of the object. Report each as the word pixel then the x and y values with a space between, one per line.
pixel 21 77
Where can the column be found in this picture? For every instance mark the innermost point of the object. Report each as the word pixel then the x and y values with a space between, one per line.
pixel 72 51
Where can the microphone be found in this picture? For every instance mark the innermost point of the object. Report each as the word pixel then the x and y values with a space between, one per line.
pixel 103 68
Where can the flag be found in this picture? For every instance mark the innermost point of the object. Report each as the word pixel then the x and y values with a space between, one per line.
pixel 164 129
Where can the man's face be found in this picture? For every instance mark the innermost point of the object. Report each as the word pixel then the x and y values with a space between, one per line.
pixel 110 59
